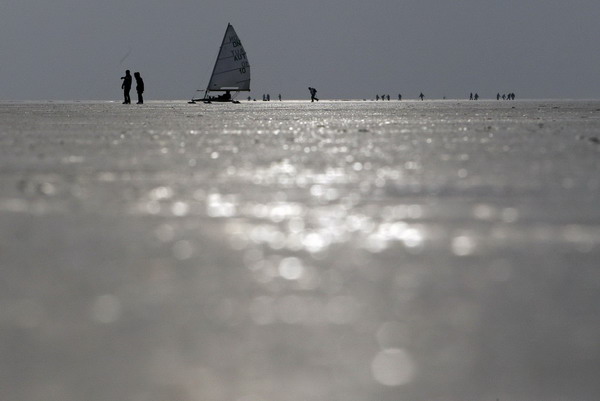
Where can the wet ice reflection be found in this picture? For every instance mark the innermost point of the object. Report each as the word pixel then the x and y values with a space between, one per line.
pixel 347 252
pixel 291 268
pixel 304 310
pixel 393 367
pixel 291 226
pixel 463 245
pixel 218 205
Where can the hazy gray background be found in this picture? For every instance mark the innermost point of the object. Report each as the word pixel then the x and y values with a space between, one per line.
pixel 72 49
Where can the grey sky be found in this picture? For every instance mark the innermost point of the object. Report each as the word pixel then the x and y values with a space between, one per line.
pixel 71 49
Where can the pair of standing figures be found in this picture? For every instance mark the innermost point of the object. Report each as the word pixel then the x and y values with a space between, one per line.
pixel 126 86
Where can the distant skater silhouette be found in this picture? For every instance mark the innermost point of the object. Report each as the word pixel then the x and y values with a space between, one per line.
pixel 279 96
pixel 388 98
pixel 399 96
pixel 377 97
pixel 139 87
pixel 126 86
pixel 313 94
pixel 498 96
pixel 476 96
pixel 422 96
pixel 471 96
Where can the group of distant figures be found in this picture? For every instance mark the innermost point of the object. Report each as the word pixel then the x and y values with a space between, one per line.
pixel 387 97
pixel 267 97
pixel 510 96
pixel 313 96
pixel 126 86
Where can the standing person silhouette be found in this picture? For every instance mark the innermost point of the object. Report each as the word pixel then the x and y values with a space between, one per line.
pixel 313 94
pixel 126 86
pixel 421 96
pixel 139 87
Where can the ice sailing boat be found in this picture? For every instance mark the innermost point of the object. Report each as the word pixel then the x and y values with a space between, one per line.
pixel 231 72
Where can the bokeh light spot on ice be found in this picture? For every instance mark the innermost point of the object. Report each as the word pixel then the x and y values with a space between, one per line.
pixel 293 251
pixel 393 367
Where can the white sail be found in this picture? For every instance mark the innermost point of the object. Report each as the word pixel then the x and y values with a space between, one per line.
pixel 232 70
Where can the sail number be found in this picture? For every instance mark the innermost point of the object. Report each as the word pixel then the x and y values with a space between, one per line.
pixel 235 41
pixel 238 55
pixel 243 67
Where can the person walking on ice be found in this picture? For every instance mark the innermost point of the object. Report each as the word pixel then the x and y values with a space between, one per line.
pixel 313 94
pixel 126 86
pixel 139 87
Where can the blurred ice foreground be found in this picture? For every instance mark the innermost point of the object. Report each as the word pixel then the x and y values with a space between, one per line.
pixel 296 251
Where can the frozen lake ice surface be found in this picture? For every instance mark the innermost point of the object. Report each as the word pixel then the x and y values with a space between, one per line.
pixel 297 251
